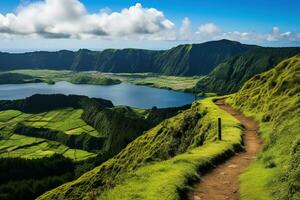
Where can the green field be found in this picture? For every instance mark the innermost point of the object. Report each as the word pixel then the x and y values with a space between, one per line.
pixel 180 83
pixel 66 120
pixel 52 76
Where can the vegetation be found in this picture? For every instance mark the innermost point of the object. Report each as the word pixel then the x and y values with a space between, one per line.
pixel 158 164
pixel 85 131
pixel 229 76
pixel 42 103
pixel 73 122
pixel 27 179
pixel 15 78
pixel 29 145
pixel 273 98
pixel 52 76
pixel 180 83
pixel 183 60
pixel 83 140
pixel 109 152
pixel 84 78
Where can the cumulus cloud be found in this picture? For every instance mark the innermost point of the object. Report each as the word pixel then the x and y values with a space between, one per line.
pixel 70 19
pixel 277 35
pixel 211 31
pixel 208 29
pixel 274 36
pixel 185 32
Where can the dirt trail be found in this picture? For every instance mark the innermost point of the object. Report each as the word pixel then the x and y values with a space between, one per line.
pixel 222 182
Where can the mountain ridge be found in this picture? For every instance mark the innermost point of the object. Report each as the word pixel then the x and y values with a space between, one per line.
pixel 180 60
pixel 229 76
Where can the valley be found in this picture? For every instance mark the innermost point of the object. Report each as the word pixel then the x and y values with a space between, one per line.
pixel 149 100
pixel 141 133
pixel 85 132
pixel 177 83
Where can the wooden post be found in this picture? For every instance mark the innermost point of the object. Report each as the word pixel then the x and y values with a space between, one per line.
pixel 219 129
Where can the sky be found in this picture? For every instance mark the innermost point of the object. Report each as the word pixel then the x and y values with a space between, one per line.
pixel 151 24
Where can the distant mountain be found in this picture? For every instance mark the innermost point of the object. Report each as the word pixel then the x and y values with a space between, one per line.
pixel 229 76
pixel 189 59
pixel 198 59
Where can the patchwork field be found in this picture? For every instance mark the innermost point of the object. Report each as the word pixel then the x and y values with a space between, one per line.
pixel 66 120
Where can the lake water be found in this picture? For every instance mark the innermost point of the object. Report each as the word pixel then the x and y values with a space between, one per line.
pixel 121 94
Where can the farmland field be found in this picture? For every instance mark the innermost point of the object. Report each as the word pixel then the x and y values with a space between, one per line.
pixel 66 120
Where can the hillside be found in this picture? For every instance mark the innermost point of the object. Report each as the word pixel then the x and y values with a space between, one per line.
pixel 190 59
pixel 229 76
pixel 158 164
pixel 75 133
pixel 49 117
pixel 273 98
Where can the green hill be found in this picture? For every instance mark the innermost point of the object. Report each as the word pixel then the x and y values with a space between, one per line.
pixel 273 98
pixel 229 76
pixel 116 126
pixel 158 164
pixel 76 133
pixel 162 162
pixel 190 59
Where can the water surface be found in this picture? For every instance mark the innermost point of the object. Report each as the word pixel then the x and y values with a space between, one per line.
pixel 121 94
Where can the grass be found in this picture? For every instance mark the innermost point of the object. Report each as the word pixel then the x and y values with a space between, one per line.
pixel 273 99
pixel 256 188
pixel 67 120
pixel 160 163
pixel 48 76
pixel 52 76
pixel 180 83
pixel 93 79
pixel 229 76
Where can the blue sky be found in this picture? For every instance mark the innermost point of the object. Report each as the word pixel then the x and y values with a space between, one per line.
pixel 268 23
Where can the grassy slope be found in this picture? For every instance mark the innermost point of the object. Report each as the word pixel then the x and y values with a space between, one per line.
pixel 109 128
pixel 180 83
pixel 52 76
pixel 98 78
pixel 159 163
pixel 66 120
pixel 274 99
pixel 229 76
pixel 93 79
pixel 16 78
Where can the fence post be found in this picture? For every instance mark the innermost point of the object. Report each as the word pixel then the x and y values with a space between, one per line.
pixel 219 129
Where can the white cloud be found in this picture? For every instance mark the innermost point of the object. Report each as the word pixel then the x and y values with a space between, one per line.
pixel 211 31
pixel 208 29
pixel 277 35
pixel 185 32
pixel 70 19
pixel 274 36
